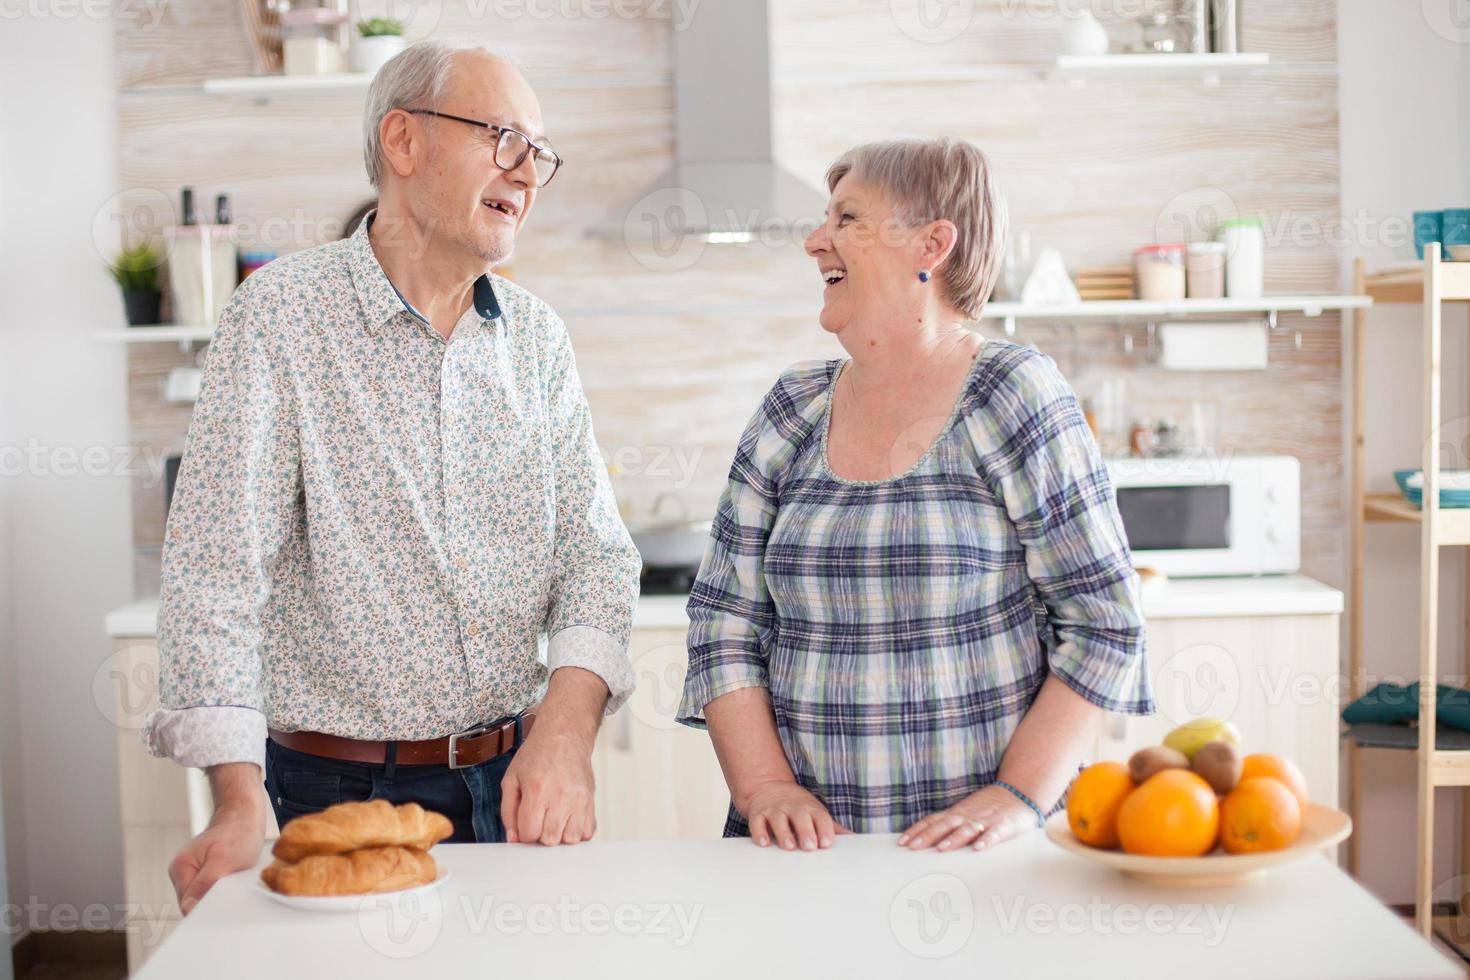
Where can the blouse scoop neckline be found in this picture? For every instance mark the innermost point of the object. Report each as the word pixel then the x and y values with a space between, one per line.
pixel 934 445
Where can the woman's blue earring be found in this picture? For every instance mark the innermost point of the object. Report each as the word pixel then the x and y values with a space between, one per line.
pixel 923 275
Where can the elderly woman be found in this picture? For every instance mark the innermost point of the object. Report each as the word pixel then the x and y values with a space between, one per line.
pixel 917 600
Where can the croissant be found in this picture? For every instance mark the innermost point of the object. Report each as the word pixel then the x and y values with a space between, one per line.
pixel 348 826
pixel 361 872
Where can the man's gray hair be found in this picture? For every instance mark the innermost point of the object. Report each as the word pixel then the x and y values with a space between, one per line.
pixel 415 78
pixel 940 178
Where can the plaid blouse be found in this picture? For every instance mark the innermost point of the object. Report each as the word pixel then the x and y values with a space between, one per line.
pixel 904 626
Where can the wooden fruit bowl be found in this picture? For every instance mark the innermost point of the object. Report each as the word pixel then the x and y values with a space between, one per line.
pixel 1322 827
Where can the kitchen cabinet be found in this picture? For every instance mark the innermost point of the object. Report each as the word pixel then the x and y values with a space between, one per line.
pixel 154 794
pixel 656 779
pixel 1261 652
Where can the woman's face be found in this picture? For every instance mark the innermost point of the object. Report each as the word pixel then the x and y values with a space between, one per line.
pixel 869 260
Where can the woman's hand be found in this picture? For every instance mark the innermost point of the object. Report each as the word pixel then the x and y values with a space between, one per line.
pixel 790 815
pixel 985 817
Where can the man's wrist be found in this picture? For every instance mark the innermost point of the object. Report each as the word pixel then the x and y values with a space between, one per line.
pixel 573 705
pixel 237 791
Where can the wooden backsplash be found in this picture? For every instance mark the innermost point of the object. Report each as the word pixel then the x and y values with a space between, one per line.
pixel 1093 170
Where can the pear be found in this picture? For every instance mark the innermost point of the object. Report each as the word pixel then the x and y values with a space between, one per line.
pixel 1192 736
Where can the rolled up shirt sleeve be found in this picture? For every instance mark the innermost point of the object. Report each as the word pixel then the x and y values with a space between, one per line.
pixel 731 616
pixel 1050 473
pixel 595 590
pixel 233 511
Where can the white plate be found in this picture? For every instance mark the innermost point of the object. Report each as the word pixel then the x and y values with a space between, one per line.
pixel 348 903
pixel 1322 827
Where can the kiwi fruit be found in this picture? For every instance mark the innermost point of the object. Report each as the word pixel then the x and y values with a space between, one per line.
pixel 1219 763
pixel 1155 759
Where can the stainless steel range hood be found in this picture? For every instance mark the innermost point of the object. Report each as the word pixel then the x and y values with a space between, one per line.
pixel 724 186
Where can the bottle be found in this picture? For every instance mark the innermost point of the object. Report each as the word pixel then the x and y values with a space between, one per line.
pixel 188 217
pixel 222 209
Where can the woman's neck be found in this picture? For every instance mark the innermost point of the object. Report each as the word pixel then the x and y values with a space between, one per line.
pixel 888 356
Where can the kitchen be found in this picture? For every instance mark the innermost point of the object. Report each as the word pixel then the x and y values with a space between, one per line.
pixel 1248 392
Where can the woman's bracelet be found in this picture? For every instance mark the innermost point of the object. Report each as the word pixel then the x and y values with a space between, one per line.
pixel 1040 817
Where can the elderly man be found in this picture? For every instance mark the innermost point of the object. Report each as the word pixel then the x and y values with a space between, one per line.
pixel 392 506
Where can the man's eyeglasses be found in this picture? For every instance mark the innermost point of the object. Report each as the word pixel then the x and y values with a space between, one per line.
pixel 511 147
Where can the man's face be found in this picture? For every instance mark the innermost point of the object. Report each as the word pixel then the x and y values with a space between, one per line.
pixel 464 197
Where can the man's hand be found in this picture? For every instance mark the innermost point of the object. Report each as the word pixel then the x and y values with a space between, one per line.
pixel 233 839
pixel 546 793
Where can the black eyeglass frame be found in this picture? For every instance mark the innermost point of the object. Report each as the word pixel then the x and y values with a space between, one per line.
pixel 499 131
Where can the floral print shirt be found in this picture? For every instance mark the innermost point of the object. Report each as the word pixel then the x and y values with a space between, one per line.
pixel 378 533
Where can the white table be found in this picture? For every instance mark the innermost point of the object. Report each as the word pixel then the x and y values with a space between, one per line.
pixel 865 908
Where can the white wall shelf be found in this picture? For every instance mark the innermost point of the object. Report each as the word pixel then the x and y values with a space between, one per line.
pixel 1181 61
pixel 1119 310
pixel 162 333
pixel 273 84
pixel 1141 309
pixel 1076 69
pixel 264 87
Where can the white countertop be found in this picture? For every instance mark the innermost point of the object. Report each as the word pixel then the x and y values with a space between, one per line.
pixel 865 908
pixel 1267 595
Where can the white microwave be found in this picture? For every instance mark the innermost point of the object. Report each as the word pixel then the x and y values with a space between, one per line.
pixel 1197 516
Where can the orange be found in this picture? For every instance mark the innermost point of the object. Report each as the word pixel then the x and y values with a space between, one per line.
pixel 1093 802
pixel 1279 768
pixel 1260 814
pixel 1173 814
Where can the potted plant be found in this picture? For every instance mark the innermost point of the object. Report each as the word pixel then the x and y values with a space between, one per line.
pixel 136 271
pixel 378 40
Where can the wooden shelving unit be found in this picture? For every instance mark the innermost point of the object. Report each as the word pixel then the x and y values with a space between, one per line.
pixel 1432 285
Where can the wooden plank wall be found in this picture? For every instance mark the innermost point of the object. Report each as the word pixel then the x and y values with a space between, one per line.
pixel 1093 170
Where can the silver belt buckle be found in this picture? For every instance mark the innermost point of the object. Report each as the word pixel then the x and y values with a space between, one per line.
pixel 468 733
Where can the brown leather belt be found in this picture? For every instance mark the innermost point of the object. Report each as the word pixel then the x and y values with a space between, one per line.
pixel 468 748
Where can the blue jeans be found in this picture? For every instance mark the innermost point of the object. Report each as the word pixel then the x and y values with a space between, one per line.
pixel 299 783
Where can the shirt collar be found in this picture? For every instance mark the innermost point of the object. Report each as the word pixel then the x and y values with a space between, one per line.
pixel 380 299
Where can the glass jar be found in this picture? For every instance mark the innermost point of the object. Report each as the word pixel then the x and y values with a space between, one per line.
pixel 1160 34
pixel 311 41
pixel 1159 270
pixel 1204 266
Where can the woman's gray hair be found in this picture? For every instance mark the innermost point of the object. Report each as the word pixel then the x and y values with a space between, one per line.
pixel 929 180
pixel 414 78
